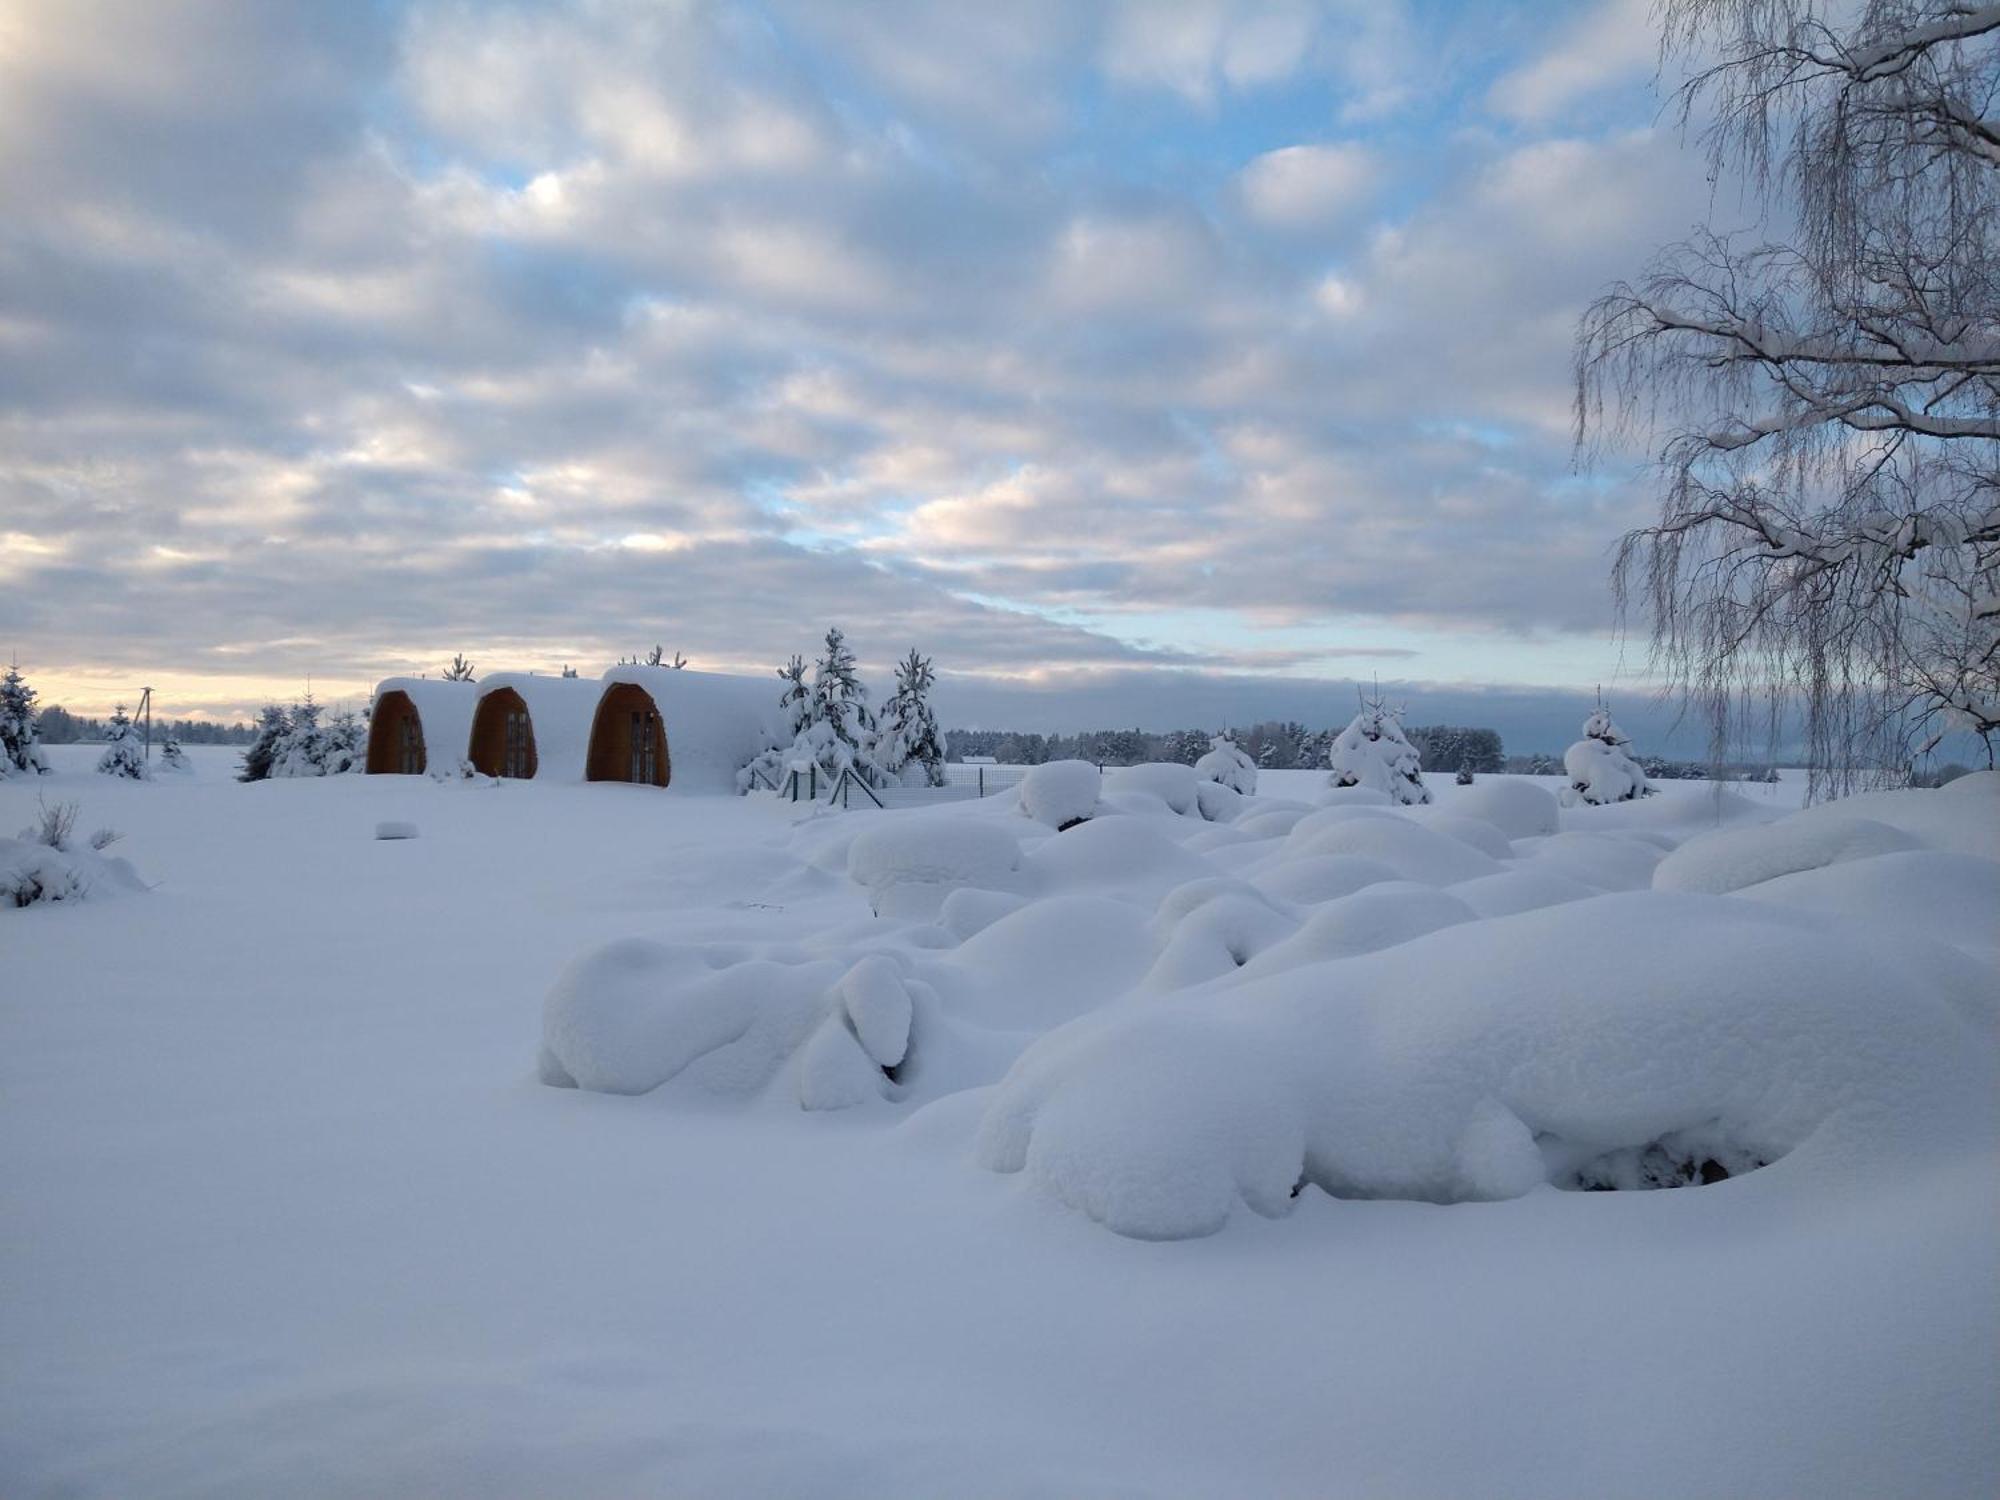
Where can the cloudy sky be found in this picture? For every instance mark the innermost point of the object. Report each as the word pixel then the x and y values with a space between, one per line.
pixel 1148 361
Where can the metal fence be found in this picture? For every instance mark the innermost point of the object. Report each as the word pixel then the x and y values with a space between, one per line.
pixel 962 783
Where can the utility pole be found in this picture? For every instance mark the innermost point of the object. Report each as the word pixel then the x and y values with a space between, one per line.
pixel 146 708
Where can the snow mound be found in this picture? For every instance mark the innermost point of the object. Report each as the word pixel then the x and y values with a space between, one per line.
pixel 1212 928
pixel 970 909
pixel 1413 851
pixel 1608 861
pixel 1173 785
pixel 390 828
pixel 1354 796
pixel 1949 898
pixel 1381 916
pixel 1477 832
pixel 1519 809
pixel 1962 816
pixel 1314 878
pixel 1045 964
pixel 1572 1044
pixel 1519 890
pixel 1060 793
pixel 1729 859
pixel 628 1017
pixel 911 861
pixel 1129 854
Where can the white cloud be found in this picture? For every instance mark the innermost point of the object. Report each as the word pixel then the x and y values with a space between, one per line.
pixel 1307 186
pixel 1616 43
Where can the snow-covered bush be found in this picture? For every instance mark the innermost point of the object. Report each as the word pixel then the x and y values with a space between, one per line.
pixel 1371 752
pixel 46 862
pixel 20 748
pixel 1226 762
pixel 123 754
pixel 908 743
pixel 172 757
pixel 1600 767
pixel 1061 793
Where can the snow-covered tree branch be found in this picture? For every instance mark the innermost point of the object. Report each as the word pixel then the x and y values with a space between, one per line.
pixel 1825 395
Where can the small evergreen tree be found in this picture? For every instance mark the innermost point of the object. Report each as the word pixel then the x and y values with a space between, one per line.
pixel 1464 776
pixel 1600 765
pixel 909 735
pixel 1372 752
pixel 1228 763
pixel 273 725
pixel 20 748
pixel 123 755
pixel 172 757
pixel 840 704
pixel 344 745
pixel 460 669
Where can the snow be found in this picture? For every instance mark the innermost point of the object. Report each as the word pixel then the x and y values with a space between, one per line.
pixel 305 1221
pixel 1060 792
pixel 1731 858
pixel 1227 764
pixel 1517 807
pixel 395 828
pixel 910 864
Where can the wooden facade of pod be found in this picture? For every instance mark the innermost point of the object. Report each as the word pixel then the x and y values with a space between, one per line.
pixel 503 736
pixel 396 737
pixel 628 738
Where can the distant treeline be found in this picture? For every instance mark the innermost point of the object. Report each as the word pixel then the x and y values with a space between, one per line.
pixel 56 725
pixel 1275 744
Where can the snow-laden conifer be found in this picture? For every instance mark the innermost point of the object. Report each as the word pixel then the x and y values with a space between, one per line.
pixel 1600 765
pixel 20 748
pixel 1372 752
pixel 123 754
pixel 908 744
pixel 1228 763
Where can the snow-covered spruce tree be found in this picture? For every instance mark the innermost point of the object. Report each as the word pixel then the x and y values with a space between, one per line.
pixel 1825 388
pixel 909 741
pixel 123 754
pixel 1227 762
pixel 273 725
pixel 20 749
pixel 343 744
pixel 1464 776
pixel 302 749
pixel 1372 752
pixel 172 757
pixel 841 728
pixel 1600 765
pixel 460 669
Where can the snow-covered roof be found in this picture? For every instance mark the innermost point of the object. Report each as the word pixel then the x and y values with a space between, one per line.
pixel 714 722
pixel 445 708
pixel 560 711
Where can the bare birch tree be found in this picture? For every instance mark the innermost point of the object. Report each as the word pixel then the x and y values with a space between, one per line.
pixel 1825 392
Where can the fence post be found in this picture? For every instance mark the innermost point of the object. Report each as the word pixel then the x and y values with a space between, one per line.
pixel 982 781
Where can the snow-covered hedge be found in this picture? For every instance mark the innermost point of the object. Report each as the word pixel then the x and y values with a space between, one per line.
pixel 1487 1058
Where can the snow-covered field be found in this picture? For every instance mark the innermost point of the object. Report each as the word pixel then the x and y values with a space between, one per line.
pixel 288 1212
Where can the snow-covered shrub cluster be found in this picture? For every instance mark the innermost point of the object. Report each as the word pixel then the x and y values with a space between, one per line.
pixel 1187 1013
pixel 1372 752
pixel 1600 765
pixel 20 747
pixel 294 742
pixel 46 861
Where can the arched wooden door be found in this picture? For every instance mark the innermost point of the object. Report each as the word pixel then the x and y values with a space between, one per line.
pixel 628 742
pixel 503 736
pixel 396 737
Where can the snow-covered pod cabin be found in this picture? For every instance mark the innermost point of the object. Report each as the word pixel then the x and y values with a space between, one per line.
pixel 528 725
pixel 417 723
pixel 660 726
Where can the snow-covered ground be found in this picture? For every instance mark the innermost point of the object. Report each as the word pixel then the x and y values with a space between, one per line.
pixel 287 1210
